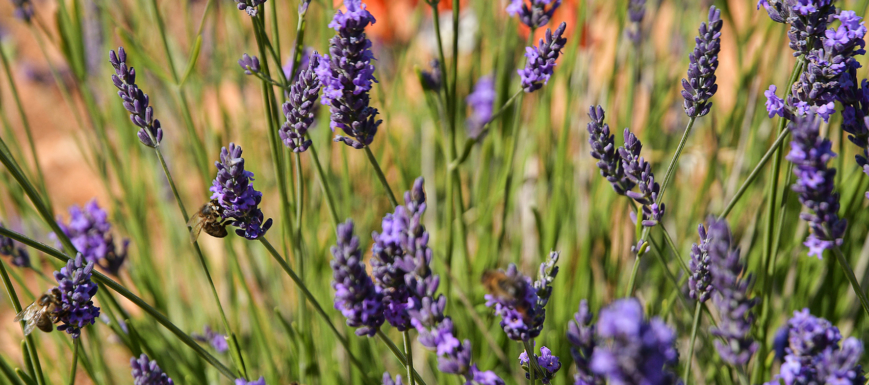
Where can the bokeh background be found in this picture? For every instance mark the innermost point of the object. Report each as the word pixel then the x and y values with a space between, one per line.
pixel 556 200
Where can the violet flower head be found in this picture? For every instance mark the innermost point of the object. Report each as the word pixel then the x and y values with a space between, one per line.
pixel 534 13
pixel 700 276
pixel 776 105
pixel 604 150
pixel 454 356
pixel 387 379
pixel 518 310
pixel 700 85
pixel 548 363
pixel 808 20
pixel 76 310
pixel 147 372
pixel 242 381
pixel 813 354
pixel 347 75
pixel 250 64
pixel 731 295
pixel 301 107
pixel 17 252
pixel 815 185
pixel 355 294
pixel 235 193
pixel 217 341
pixel 580 335
pixel 541 59
pixel 23 10
pixel 90 232
pixel 636 13
pixel 249 6
pixel 633 350
pixel 639 173
pixel 482 103
pixel 135 101
pixel 432 80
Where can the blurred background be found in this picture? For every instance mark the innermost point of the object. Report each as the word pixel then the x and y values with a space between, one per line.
pixel 555 200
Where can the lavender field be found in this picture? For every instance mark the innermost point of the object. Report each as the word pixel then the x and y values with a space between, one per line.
pixel 419 192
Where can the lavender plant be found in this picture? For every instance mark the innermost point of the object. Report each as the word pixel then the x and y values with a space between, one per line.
pixel 147 372
pixel 90 232
pixel 76 309
pixel 239 201
pixel 533 13
pixel 135 101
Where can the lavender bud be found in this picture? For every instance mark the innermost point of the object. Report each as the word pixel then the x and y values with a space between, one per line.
pixel 76 310
pixel 217 341
pixel 355 294
pixel 700 278
pixel 580 335
pixel 541 60
pixel 90 232
pixel 636 12
pixel 235 193
pixel 700 85
pixel 548 362
pixel 300 108
pixel 387 379
pixel 603 149
pixel 639 173
pixel 147 372
pixel 134 100
pixel 250 64
pixel 534 15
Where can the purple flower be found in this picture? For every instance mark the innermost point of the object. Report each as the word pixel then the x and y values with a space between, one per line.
pixel 604 150
pixel 700 278
pixel 355 294
pixel 347 75
pixel 636 12
pixel 632 350
pixel 541 59
pixel 814 355
pixel 639 173
pixel 76 310
pixel 454 357
pixel 519 318
pixel 304 62
pixel 18 253
pixel 242 381
pixel 774 104
pixel 135 101
pixel 23 10
pixel 482 103
pixel 580 335
pixel 147 372
pixel 301 107
pixel 250 64
pixel 235 193
pixel 387 379
pixel 732 288
pixel 548 362
pixel 249 6
pixel 90 232
pixel 700 85
pixel 216 340
pixel 534 15
pixel 815 185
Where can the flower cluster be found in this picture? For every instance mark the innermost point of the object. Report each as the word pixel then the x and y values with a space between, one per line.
pixel 639 173
pixel 454 357
pixel 807 19
pixel 548 363
pixel 18 254
pixel 242 381
pixel 347 75
pixel 604 150
pixel 631 350
pixel 580 335
pixel 76 310
pixel 730 295
pixel 813 354
pixel 815 185
pixel 355 294
pixel 90 232
pixel 387 379
pixel 534 15
pixel 636 13
pixel 541 59
pixel 238 199
pixel 300 108
pixel 700 278
pixel 517 307
pixel 700 85
pixel 304 62
pixel 147 372
pixel 482 103
pixel 250 64
pixel 135 101
pixel 217 341
pixel 249 6
pixel 23 10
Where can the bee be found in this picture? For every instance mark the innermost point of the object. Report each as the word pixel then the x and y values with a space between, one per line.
pixel 208 218
pixel 506 288
pixel 42 313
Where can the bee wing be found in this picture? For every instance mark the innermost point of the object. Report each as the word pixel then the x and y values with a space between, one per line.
pixel 27 313
pixel 195 223
pixel 31 324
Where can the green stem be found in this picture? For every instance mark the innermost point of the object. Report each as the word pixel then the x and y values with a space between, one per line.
pixel 634 270
pixel 16 305
pixel 697 317
pixel 381 176
pixel 76 342
pixel 398 354
pixel 469 143
pixel 754 173
pixel 408 353
pixel 330 202
pixel 533 367
pixel 849 273
pixel 671 168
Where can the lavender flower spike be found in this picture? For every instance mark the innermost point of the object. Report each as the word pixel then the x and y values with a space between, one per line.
pixel 90 232
pixel 355 294
pixel 482 103
pixel 147 372
pixel 300 108
pixel 700 278
pixel 387 379
pixel 636 12
pixel 235 193
pixel 19 255
pixel 23 10
pixel 242 381
pixel 541 59
pixel 347 75
pixel 815 185
pixel 534 15
pixel 77 310
pixel 580 335
pixel 700 85
pixel 731 296
pixel 549 363
pixel 633 350
pixel 135 101
pixel 217 341
pixel 639 173
pixel 250 64
pixel 604 150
